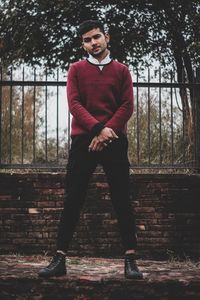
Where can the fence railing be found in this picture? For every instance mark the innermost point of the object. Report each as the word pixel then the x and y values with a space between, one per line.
pixel 35 122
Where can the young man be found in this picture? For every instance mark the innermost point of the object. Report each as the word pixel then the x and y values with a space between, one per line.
pixel 100 99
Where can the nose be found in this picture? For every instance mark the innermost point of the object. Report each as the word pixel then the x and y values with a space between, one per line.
pixel 93 42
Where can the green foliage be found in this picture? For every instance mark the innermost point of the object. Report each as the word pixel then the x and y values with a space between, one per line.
pixel 45 31
pixel 18 123
pixel 154 137
pixel 23 136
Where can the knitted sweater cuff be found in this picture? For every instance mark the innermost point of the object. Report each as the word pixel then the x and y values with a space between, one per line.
pixel 96 129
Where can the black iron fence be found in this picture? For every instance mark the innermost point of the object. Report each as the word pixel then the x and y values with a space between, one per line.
pixel 35 123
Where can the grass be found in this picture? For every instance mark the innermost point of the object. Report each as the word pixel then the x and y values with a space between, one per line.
pixel 176 260
pixel 133 170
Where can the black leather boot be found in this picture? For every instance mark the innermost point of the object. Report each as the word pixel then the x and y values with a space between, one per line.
pixel 55 268
pixel 131 270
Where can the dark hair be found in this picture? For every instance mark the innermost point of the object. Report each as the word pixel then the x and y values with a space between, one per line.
pixel 89 25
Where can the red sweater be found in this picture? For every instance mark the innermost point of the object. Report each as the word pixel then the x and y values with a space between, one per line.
pixel 96 96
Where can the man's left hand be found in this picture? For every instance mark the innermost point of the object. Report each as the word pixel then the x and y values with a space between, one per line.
pixel 97 145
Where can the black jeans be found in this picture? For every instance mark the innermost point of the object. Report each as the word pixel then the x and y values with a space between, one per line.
pixel 81 165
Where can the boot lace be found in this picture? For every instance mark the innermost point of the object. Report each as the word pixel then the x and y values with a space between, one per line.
pixel 55 261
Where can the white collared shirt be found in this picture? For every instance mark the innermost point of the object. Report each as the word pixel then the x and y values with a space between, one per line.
pixel 104 61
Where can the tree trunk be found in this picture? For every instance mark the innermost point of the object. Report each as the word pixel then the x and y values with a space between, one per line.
pixel 197 120
pixel 184 75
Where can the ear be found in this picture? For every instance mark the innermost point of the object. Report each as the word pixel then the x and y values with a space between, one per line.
pixel 107 37
pixel 82 46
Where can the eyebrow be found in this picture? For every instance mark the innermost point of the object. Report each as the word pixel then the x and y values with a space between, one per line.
pixel 96 36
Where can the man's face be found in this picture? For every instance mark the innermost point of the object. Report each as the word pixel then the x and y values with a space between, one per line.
pixel 95 42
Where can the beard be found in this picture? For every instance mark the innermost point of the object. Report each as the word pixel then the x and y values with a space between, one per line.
pixel 99 52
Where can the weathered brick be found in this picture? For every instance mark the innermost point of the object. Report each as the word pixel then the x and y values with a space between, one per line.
pixel 166 209
pixel 144 209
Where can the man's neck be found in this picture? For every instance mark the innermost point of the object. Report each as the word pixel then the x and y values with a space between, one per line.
pixel 105 59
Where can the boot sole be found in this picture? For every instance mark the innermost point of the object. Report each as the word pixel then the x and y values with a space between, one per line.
pixel 53 275
pixel 134 277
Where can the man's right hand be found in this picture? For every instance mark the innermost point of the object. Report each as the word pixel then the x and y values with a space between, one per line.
pixel 103 139
pixel 106 135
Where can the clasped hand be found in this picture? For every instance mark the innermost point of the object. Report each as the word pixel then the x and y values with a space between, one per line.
pixel 106 136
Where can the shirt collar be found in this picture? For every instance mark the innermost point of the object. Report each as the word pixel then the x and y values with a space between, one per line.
pixel 105 61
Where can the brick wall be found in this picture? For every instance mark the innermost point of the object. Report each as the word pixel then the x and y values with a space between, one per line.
pixel 166 208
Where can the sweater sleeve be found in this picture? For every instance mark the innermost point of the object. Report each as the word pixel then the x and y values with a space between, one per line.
pixel 84 118
pixel 125 110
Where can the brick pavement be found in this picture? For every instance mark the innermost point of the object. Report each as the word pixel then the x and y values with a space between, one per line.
pixel 98 278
